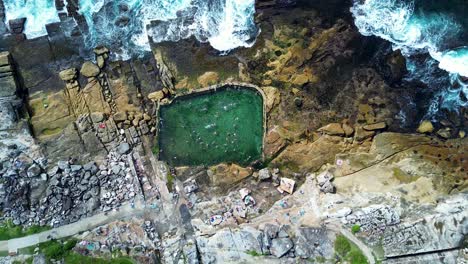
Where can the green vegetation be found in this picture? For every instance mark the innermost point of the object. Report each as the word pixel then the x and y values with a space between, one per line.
pixel 342 245
pixel 346 250
pixel 170 181
pixel 254 253
pixel 57 250
pixel 9 230
pixel 355 256
pixel 355 229
pixel 155 148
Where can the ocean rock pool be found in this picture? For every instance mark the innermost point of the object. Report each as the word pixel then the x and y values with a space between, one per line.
pixel 211 127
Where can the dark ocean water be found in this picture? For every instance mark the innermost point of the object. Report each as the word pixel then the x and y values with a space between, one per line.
pixel 432 35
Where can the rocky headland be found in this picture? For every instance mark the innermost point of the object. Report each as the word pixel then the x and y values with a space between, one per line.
pixel 350 172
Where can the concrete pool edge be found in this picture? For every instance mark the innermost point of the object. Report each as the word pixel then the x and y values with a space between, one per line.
pixel 214 89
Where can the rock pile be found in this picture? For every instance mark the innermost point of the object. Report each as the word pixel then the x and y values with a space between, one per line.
pixel 67 192
pixel 134 124
pixel 324 181
pixel 120 184
pixel 374 219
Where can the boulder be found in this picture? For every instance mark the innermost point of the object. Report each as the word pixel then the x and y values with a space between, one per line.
pixel 425 127
pixel 324 177
pixel 68 74
pixel 264 174
pixel 90 69
pixel 34 171
pixel 328 187
pixel 124 148
pixel 376 126
pixel 120 116
pixel 333 129
pixel 281 246
pixel 361 134
pixel 100 62
pixel 101 50
pixel 97 117
pixel 156 96
pixel 445 132
pixel 287 185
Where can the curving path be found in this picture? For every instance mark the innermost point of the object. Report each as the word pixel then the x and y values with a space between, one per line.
pixel 125 211
pixel 365 250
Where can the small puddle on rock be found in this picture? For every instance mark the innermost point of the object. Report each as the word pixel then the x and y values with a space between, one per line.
pixel 218 126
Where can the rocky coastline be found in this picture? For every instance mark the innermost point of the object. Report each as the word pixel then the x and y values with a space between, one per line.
pixel 351 172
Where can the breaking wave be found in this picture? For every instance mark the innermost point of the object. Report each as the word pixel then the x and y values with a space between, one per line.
pixel 38 13
pixel 420 27
pixel 127 25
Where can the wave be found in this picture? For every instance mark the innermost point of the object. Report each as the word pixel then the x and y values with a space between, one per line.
pixel 415 27
pixel 38 13
pixel 127 25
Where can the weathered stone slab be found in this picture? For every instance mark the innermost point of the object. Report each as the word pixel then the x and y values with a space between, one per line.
pixel 7 86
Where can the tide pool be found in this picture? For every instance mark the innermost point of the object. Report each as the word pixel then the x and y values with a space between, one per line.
pixel 207 129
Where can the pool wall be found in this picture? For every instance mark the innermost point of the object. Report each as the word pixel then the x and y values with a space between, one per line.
pixel 213 89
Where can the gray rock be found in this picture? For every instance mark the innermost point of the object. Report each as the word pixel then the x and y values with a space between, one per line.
pixel 63 165
pixel 328 187
pixel 115 169
pixel 7 86
pixel 229 246
pixel 445 229
pixel 190 252
pixel 93 204
pixel 281 246
pixel 284 231
pixel 39 259
pixel 124 148
pixel 97 117
pixel 324 177
pixel 374 218
pixel 53 171
pixel 264 174
pixel 34 171
pixel 313 242
pixel 91 167
pixel 75 168
pixel 271 230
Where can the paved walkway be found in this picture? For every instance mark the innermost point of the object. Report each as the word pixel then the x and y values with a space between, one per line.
pixel 86 224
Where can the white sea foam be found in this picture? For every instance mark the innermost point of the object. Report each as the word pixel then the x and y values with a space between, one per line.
pixel 415 32
pixel 38 13
pixel 397 22
pixel 126 24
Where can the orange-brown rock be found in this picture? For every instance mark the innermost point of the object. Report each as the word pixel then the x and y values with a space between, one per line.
pixel 225 174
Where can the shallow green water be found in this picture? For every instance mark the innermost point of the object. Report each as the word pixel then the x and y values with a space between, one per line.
pixel 222 126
